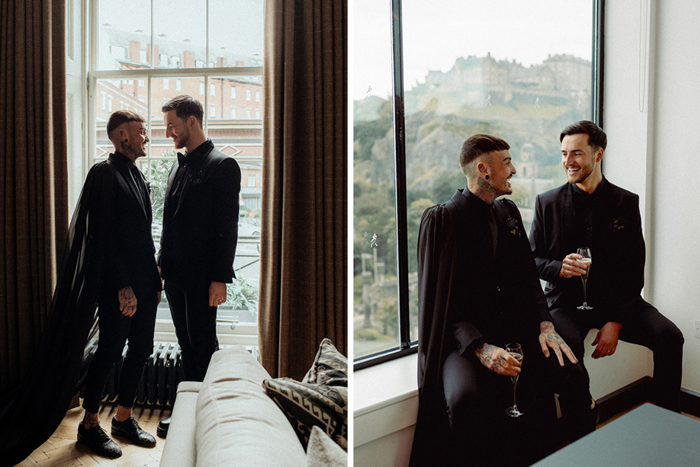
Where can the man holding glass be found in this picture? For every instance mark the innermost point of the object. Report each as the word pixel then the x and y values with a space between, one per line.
pixel 479 292
pixel 592 216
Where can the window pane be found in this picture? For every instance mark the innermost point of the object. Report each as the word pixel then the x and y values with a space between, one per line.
pixel 375 287
pixel 236 33
pixel 522 76
pixel 180 34
pixel 124 33
pixel 160 94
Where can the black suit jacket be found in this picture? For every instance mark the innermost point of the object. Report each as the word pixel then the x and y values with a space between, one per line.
pixel 200 232
pixel 618 252
pixel 130 254
pixel 465 295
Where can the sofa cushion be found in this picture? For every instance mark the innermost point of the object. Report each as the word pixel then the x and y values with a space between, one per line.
pixel 307 405
pixel 180 447
pixel 323 451
pixel 330 367
pixel 237 423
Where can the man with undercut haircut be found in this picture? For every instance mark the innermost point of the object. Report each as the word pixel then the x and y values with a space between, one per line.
pixel 131 285
pixel 591 212
pixel 478 291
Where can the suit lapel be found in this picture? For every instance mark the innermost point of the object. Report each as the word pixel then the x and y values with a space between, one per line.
pixel 567 220
pixel 136 191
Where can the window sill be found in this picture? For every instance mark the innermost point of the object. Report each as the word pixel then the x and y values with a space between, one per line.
pixel 243 334
pixel 385 399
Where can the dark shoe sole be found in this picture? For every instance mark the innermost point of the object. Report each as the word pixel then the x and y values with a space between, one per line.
pixel 99 452
pixel 122 435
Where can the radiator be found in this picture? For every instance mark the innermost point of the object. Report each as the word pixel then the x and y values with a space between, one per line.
pixel 161 375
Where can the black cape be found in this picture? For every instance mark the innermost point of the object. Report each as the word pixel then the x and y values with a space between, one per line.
pixel 31 412
pixel 446 289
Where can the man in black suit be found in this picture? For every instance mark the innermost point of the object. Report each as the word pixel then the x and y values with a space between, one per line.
pixel 589 211
pixel 131 285
pixel 200 230
pixel 478 290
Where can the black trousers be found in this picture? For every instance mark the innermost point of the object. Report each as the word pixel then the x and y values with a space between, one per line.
pixel 645 326
pixel 115 329
pixel 195 326
pixel 476 400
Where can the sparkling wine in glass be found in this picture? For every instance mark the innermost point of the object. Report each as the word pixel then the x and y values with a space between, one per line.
pixel 516 351
pixel 585 252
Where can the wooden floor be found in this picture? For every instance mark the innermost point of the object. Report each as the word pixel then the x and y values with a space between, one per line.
pixel 63 450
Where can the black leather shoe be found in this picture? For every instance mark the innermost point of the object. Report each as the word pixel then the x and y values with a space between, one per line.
pixel 131 430
pixel 163 427
pixel 99 441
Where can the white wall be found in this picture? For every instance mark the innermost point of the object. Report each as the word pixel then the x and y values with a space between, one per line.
pixel 676 190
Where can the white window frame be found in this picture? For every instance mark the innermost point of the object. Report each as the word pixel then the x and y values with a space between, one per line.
pixel 82 100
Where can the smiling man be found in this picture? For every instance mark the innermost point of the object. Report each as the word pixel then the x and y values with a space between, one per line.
pixel 589 211
pixel 478 291
pixel 200 230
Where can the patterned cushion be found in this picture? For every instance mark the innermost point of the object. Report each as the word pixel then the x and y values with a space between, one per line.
pixel 307 405
pixel 330 367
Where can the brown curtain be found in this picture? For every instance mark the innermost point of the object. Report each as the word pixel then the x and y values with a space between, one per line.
pixel 33 174
pixel 303 274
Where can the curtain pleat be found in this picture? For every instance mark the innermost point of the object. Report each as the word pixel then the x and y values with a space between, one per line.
pixel 303 283
pixel 33 174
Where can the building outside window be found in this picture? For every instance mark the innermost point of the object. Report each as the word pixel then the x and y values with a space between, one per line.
pixel 247 114
pixel 191 41
pixel 257 96
pixel 484 76
pixel 247 94
pixel 233 113
pixel 233 92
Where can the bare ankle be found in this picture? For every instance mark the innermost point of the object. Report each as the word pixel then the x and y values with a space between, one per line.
pixel 90 420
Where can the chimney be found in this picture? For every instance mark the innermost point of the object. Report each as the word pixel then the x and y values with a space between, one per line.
pixel 239 62
pixel 188 59
pixel 221 62
pixel 135 51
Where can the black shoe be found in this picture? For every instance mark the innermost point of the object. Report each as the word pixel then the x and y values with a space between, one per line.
pixel 163 427
pixel 99 441
pixel 131 430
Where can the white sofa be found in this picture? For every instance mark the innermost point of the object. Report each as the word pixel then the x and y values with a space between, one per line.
pixel 228 419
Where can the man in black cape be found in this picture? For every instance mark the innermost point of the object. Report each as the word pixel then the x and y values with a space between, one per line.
pixel 109 258
pixel 478 291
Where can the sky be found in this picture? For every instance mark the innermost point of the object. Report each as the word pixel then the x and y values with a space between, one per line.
pixel 236 25
pixel 439 31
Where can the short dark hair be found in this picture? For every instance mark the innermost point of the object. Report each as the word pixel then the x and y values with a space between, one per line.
pixel 477 145
pixel 596 135
pixel 184 106
pixel 121 117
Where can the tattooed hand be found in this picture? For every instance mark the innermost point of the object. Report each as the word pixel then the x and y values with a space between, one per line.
pixel 497 360
pixel 550 339
pixel 127 301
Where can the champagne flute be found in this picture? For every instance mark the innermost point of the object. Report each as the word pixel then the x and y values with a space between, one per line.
pixel 585 252
pixel 516 351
